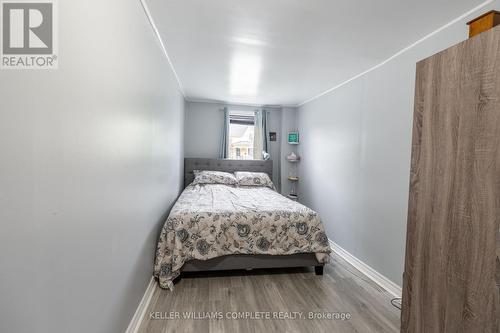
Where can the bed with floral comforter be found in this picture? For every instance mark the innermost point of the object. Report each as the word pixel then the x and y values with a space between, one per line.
pixel 214 220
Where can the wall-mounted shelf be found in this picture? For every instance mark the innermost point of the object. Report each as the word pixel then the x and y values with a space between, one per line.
pixel 292 158
pixel 293 139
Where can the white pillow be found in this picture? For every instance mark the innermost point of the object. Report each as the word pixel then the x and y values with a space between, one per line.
pixel 245 178
pixel 214 177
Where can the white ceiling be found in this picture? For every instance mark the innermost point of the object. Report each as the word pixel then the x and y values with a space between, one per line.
pixel 287 51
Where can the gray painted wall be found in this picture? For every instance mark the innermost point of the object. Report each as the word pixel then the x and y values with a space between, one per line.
pixel 91 159
pixel 203 129
pixel 274 125
pixel 356 145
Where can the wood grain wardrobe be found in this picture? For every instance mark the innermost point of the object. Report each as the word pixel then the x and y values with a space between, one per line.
pixel 452 268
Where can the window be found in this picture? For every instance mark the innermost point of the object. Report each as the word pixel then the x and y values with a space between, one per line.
pixel 241 135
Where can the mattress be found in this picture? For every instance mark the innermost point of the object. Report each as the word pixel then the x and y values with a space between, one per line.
pixel 209 221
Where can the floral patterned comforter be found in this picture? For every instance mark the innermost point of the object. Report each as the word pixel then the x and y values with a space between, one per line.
pixel 209 221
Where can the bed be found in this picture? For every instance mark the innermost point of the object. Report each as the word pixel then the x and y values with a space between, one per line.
pixel 222 227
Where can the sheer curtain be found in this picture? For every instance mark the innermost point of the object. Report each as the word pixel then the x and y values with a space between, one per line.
pixel 265 136
pixel 224 142
pixel 260 143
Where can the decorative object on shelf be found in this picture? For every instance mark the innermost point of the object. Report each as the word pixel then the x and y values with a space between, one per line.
pixel 272 136
pixel 293 138
pixel 483 23
pixel 292 157
pixel 293 178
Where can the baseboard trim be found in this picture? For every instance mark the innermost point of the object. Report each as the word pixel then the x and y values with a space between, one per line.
pixel 372 274
pixel 135 323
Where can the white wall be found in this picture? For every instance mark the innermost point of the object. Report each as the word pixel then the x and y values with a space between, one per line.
pixel 203 128
pixel 91 161
pixel 356 145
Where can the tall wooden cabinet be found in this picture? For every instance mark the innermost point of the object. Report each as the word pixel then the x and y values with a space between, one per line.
pixel 452 266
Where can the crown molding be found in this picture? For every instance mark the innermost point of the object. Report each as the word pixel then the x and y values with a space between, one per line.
pixel 213 101
pixel 409 47
pixel 162 44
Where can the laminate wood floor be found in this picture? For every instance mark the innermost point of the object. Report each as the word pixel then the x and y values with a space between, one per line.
pixel 342 289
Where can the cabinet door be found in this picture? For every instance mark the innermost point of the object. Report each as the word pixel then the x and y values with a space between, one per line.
pixel 451 267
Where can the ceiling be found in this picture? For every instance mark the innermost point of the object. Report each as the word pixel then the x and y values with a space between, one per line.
pixel 283 52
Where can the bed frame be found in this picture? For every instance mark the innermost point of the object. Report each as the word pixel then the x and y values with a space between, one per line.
pixel 242 261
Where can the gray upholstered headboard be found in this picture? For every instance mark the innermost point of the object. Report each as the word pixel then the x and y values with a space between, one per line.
pixel 191 164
